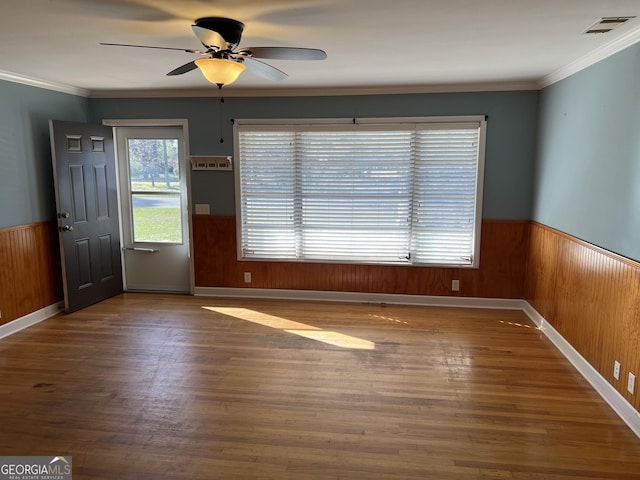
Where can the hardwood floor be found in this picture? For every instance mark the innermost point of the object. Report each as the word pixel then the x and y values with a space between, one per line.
pixel 147 386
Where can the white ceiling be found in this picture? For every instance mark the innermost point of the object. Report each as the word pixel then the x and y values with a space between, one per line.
pixel 375 45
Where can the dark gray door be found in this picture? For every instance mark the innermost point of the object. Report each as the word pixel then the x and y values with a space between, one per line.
pixel 86 199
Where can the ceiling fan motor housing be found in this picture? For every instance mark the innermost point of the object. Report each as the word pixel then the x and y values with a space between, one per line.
pixel 230 29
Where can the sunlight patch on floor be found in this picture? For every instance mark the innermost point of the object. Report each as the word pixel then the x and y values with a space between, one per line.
pixel 296 328
pixel 516 324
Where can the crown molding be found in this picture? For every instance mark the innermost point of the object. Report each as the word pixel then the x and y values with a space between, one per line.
pixel 630 38
pixel 230 92
pixel 36 82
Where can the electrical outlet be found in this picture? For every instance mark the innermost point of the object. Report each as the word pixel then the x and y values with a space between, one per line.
pixel 616 370
pixel 631 384
pixel 247 277
pixel 455 285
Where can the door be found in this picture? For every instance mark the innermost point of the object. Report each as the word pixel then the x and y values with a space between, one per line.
pixel 87 205
pixel 153 194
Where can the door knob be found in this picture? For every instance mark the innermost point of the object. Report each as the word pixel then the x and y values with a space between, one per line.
pixel 67 228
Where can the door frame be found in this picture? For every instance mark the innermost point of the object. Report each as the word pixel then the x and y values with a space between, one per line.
pixel 182 123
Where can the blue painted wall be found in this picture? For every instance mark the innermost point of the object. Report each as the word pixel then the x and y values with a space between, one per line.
pixel 587 180
pixel 511 133
pixel 26 174
pixel 584 179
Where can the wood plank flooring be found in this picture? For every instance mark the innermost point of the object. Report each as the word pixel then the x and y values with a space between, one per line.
pixel 150 386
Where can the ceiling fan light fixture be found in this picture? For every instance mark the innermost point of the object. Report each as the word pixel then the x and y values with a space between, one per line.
pixel 220 71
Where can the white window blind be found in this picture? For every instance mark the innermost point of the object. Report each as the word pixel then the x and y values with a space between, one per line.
pixel 377 192
pixel 445 189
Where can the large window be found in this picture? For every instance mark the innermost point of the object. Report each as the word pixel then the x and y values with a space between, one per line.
pixel 390 191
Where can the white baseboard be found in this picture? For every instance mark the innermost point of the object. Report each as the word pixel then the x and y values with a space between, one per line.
pixel 30 319
pixel 361 297
pixel 610 395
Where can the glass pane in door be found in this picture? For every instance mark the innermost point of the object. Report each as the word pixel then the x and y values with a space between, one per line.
pixel 155 190
pixel 156 218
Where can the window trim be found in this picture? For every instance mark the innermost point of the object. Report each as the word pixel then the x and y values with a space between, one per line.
pixel 270 123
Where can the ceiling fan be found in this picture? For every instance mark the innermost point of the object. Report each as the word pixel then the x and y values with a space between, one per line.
pixel 222 62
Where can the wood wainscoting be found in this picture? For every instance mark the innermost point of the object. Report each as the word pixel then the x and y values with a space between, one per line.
pixel 501 274
pixel 30 275
pixel 591 297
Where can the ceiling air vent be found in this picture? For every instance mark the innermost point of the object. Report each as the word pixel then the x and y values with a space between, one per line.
pixel 606 24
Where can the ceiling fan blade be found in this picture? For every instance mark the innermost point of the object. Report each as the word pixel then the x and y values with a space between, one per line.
pixel 188 50
pixel 187 67
pixel 263 69
pixel 209 38
pixel 284 53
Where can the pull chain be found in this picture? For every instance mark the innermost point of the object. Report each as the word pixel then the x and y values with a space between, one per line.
pixel 220 111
